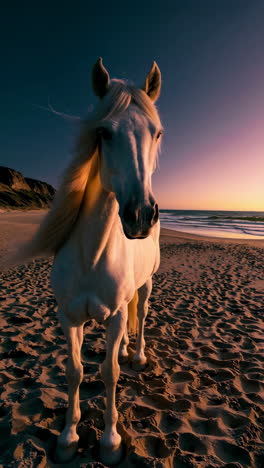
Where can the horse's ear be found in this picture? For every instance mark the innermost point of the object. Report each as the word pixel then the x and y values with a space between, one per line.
pixel 152 83
pixel 100 79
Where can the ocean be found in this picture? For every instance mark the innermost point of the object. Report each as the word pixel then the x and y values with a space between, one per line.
pixel 231 224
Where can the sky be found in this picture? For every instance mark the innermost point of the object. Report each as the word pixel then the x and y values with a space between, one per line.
pixel 210 53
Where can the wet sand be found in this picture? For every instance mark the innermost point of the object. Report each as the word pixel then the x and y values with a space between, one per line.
pixel 198 403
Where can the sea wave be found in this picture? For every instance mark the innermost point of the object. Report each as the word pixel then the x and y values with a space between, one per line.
pixel 243 218
pixel 234 224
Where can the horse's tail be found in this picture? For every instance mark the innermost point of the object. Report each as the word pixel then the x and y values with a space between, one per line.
pixel 132 314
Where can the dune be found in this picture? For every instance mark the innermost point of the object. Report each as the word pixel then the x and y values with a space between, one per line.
pixel 23 193
pixel 199 401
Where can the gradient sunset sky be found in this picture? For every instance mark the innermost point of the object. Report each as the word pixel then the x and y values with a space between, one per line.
pixel 211 55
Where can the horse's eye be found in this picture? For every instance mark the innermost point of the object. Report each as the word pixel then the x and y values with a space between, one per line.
pixel 104 133
pixel 159 134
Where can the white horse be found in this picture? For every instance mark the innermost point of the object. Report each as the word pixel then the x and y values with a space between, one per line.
pixel 103 231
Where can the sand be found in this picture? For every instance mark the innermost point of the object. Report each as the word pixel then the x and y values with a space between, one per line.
pixel 199 401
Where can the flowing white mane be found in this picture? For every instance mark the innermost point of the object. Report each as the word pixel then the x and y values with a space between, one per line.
pixel 59 222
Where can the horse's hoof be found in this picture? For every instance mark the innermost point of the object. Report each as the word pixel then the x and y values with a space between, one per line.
pixel 139 365
pixel 64 453
pixel 110 455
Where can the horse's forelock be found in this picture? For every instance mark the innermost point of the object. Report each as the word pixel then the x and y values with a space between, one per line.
pixel 117 100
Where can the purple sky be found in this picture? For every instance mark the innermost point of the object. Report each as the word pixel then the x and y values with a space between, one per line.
pixel 212 103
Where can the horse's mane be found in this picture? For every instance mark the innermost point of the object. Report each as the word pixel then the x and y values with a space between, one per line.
pixel 60 220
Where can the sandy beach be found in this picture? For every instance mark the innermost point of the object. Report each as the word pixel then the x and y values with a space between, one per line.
pixel 199 401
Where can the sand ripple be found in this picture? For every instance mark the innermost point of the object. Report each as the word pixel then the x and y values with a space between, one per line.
pixel 199 401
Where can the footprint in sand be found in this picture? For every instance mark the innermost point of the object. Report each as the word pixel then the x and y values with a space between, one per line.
pixel 182 376
pixel 191 443
pixel 182 406
pixel 209 426
pixel 228 452
pixel 169 422
pixel 232 420
pixel 151 446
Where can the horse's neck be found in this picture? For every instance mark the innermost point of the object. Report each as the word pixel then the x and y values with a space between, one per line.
pixel 97 219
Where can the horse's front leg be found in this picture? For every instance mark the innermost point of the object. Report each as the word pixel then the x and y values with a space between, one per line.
pixel 110 443
pixel 68 440
pixel 143 296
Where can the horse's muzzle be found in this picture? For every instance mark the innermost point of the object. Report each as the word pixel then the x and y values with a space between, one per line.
pixel 137 222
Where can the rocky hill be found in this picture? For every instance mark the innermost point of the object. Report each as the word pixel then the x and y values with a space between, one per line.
pixel 19 192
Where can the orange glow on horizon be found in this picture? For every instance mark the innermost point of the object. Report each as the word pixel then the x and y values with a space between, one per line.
pixel 224 175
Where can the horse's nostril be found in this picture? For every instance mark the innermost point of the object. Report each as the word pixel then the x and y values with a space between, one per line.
pixel 140 218
pixel 129 214
pixel 156 213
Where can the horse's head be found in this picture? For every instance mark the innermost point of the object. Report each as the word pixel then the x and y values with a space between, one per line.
pixel 128 138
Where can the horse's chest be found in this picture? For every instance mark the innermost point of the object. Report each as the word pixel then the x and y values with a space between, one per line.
pixel 85 289
pixel 90 285
pixel 111 280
